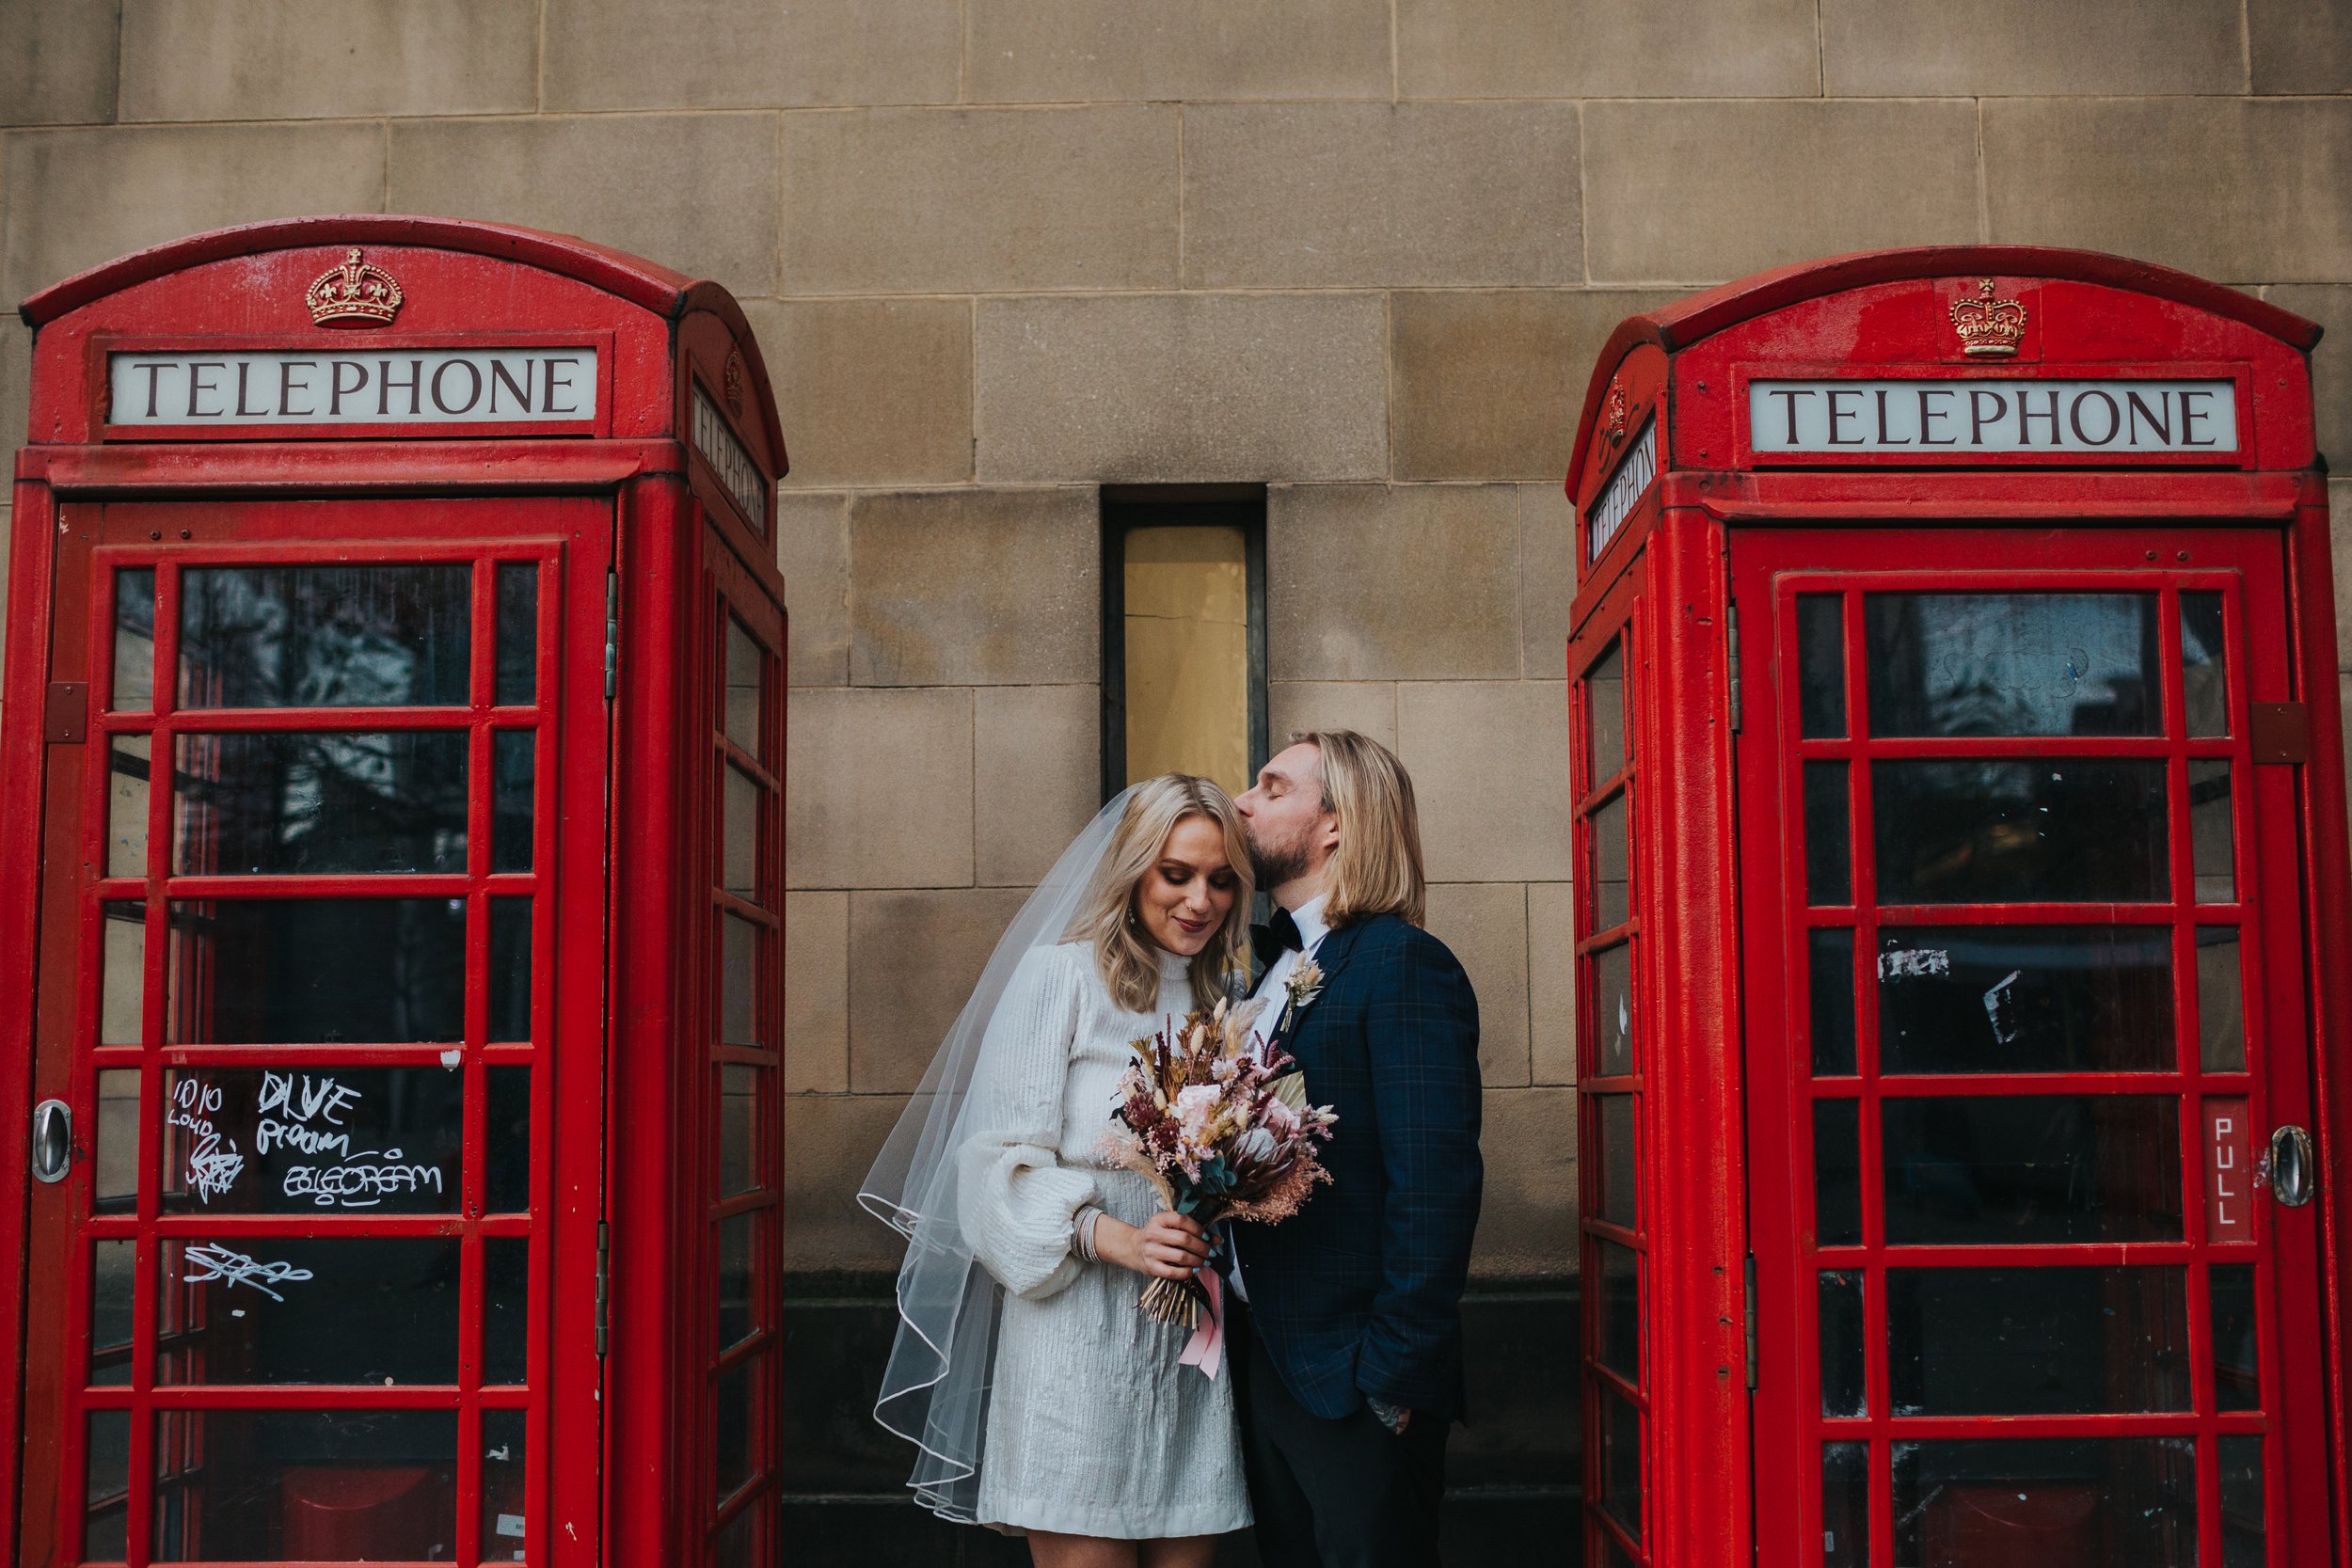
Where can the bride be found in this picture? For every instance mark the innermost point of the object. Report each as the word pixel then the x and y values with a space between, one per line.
pixel 1040 1399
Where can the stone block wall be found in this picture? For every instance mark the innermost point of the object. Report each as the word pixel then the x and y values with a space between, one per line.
pixel 1001 252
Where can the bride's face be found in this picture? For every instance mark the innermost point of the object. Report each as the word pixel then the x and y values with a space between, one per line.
pixel 1187 892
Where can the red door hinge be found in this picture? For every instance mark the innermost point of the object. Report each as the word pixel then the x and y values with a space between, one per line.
pixel 2282 732
pixel 68 719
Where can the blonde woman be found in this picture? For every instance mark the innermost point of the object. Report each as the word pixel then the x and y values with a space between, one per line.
pixel 1040 1399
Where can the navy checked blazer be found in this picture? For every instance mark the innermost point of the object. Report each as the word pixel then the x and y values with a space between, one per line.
pixel 1359 1293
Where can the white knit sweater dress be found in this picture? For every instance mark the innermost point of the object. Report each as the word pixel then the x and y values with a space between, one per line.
pixel 1094 1426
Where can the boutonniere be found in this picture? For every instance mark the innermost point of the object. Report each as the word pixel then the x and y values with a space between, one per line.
pixel 1303 985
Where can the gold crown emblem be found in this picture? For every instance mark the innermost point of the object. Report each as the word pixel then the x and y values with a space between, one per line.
pixel 1989 329
pixel 356 293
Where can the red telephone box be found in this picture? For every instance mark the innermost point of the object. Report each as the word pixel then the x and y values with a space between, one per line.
pixel 1962 935
pixel 391 853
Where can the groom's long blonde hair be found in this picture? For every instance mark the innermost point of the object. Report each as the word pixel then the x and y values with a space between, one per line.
pixel 1127 958
pixel 1377 868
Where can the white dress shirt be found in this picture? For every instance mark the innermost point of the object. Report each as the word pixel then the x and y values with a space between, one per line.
pixel 1312 930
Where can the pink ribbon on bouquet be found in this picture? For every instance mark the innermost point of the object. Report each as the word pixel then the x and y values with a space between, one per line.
pixel 1206 1348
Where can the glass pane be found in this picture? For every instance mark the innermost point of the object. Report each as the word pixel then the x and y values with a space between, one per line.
pixel 115 1186
pixel 123 1003
pixel 1957 664
pixel 2086 1502
pixel 1842 1391
pixel 311 1485
pixel 735 1279
pixel 2043 1341
pixel 1612 1127
pixel 2242 1531
pixel 740 836
pixel 514 763
pixel 1604 696
pixel 2237 1356
pixel 1997 831
pixel 744 661
pixel 1830 985
pixel 510 970
pixel 135 641
pixel 1828 858
pixel 1612 1011
pixel 2211 859
pixel 258 1141
pixel 129 760
pixel 739 1124
pixel 1186 642
pixel 2221 1001
pixel 518 676
pixel 325 636
pixel 1610 864
pixel 106 1485
pixel 2204 665
pixel 1821 667
pixel 1617 1310
pixel 735 1545
pixel 2032 1169
pixel 2025 999
pixel 324 971
pixel 502 1506
pixel 317 803
pixel 732 1415
pixel 1621 1462
pixel 739 981
pixel 112 1281
pixel 1837 1173
pixel 372 1309
pixel 506 1141
pixel 1845 1505
pixel 505 1308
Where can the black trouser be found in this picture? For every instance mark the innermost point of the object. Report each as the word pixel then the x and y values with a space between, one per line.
pixel 1343 1494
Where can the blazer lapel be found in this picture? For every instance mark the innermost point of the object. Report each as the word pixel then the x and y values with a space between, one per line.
pixel 1330 956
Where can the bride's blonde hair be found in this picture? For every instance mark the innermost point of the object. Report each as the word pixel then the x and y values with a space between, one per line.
pixel 1124 955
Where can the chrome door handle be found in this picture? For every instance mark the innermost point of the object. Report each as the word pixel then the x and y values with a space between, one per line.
pixel 53 1140
pixel 2289 1165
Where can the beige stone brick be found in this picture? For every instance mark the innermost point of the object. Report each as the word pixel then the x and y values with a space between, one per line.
pixel 829 1141
pixel 815 992
pixel 1485 925
pixel 1181 387
pixel 1546 579
pixel 1101 51
pixel 870 392
pixel 1606 49
pixel 880 788
pixel 813 553
pixel 2228 188
pixel 1490 766
pixel 1552 982
pixel 291 59
pixel 75 199
pixel 2300 45
pixel 913 960
pixel 749 54
pixel 1527 1222
pixel 1340 194
pixel 1917 48
pixel 16 391
pixel 1038 777
pixel 694 192
pixel 2340 542
pixel 58 66
pixel 975 587
pixel 1704 191
pixel 1393 582
pixel 956 201
pixel 1488 384
pixel 1367 707
pixel 2331 362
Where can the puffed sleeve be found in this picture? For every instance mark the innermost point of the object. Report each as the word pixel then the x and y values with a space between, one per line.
pixel 1018 1200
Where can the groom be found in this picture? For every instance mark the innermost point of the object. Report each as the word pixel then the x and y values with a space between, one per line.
pixel 1349 1336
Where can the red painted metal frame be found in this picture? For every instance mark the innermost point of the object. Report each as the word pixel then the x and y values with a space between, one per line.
pixel 467 283
pixel 1872 314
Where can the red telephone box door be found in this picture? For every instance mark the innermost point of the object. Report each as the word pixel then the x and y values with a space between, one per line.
pixel 322 994
pixel 2026 994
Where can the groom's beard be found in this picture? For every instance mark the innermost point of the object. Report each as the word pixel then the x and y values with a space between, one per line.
pixel 1276 863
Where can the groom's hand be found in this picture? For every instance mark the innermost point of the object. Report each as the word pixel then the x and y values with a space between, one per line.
pixel 1170 1245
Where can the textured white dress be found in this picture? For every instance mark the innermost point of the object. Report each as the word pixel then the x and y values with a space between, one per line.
pixel 1094 1426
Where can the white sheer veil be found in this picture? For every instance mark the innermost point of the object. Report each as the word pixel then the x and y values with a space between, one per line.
pixel 935 1390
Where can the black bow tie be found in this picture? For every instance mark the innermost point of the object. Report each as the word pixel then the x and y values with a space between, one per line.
pixel 1275 938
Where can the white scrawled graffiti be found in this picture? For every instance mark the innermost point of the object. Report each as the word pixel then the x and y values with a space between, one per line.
pixel 209 1260
pixel 213 1163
